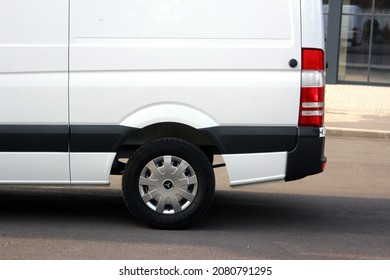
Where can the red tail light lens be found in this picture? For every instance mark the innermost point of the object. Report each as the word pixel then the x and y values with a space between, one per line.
pixel 313 88
pixel 313 59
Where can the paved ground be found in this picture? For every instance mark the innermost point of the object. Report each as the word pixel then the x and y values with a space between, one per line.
pixel 342 213
pixel 358 111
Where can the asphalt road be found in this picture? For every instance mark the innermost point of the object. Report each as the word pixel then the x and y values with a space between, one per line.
pixel 343 213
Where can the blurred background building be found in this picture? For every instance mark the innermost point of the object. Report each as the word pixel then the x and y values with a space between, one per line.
pixel 357 36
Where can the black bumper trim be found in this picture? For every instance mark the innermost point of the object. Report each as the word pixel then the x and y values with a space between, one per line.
pixel 308 156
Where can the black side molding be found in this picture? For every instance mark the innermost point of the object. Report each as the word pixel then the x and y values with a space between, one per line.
pixel 248 139
pixel 62 138
pixel 34 138
pixel 98 138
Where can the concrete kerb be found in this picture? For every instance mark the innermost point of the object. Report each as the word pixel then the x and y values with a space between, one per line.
pixel 357 133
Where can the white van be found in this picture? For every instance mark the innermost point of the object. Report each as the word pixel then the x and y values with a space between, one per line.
pixel 154 89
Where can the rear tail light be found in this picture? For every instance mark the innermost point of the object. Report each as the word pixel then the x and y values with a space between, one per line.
pixel 311 111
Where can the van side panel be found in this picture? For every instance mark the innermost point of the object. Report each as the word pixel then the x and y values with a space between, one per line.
pixel 34 168
pixel 224 62
pixel 131 54
pixel 34 36
pixel 34 91
pixel 116 97
pixel 312 22
pixel 190 19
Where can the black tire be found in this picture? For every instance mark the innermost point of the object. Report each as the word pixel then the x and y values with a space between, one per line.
pixel 168 183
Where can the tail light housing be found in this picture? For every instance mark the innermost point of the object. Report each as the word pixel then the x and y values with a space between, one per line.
pixel 312 103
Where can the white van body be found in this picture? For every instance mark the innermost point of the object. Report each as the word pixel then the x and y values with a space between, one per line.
pixel 84 83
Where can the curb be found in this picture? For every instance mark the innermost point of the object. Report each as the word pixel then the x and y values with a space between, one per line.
pixel 357 133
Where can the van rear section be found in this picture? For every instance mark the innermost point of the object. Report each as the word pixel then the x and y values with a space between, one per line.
pixel 153 90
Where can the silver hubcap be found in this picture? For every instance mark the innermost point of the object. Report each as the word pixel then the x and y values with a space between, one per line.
pixel 168 184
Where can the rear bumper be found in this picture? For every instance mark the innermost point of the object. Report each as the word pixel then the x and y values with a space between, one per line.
pixel 308 156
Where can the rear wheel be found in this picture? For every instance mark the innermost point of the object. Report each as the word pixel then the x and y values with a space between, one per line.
pixel 168 183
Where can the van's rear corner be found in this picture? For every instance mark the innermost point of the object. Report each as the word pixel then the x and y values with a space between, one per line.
pixel 308 156
pixel 291 146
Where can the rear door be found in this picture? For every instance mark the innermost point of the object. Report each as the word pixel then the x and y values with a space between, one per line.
pixel 34 91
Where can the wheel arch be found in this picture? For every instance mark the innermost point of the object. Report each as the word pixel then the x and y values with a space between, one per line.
pixel 168 129
pixel 168 113
pixel 166 120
